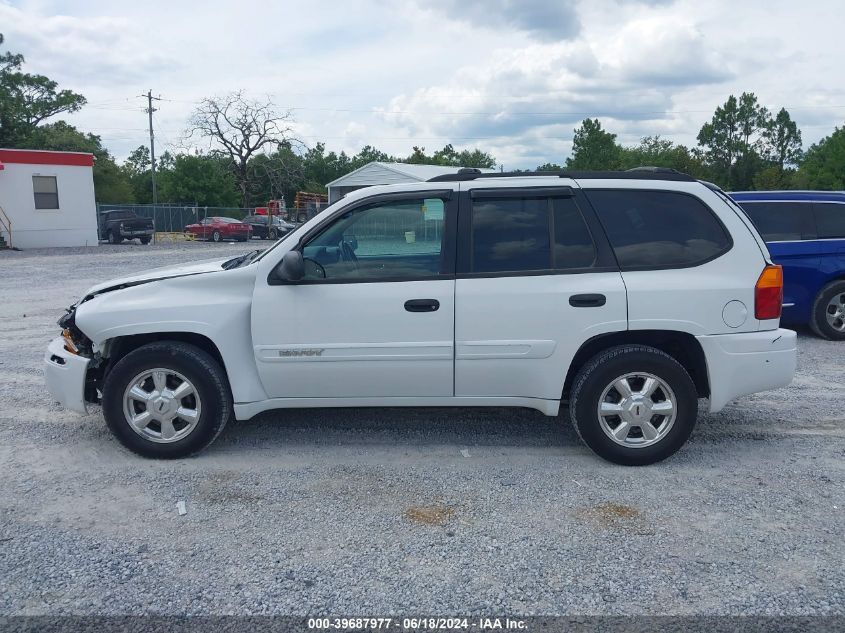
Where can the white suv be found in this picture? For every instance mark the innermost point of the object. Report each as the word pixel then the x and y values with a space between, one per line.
pixel 629 295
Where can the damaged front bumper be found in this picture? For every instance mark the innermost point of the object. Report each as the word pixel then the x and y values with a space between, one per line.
pixel 65 374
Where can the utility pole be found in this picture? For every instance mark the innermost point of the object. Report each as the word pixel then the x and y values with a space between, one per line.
pixel 150 110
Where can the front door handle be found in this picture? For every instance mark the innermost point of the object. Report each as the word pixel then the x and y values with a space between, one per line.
pixel 422 305
pixel 587 301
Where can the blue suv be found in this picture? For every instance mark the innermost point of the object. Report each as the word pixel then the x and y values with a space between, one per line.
pixel 805 233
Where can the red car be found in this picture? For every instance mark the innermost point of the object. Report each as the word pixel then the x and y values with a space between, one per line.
pixel 219 229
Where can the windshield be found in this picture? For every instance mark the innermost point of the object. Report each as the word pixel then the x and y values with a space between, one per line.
pixel 296 231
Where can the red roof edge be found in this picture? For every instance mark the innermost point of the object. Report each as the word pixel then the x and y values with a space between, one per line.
pixel 43 157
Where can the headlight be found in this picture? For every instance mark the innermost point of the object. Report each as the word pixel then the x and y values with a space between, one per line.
pixel 69 344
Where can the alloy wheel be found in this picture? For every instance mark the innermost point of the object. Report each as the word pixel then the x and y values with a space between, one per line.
pixel 835 312
pixel 637 410
pixel 161 405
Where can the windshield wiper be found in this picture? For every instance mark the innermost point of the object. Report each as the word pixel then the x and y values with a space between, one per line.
pixel 238 261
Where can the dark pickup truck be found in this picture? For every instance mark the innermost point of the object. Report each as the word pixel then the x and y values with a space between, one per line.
pixel 122 224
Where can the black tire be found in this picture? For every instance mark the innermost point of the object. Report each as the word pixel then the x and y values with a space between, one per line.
pixel 302 218
pixel 145 240
pixel 201 369
pixel 604 368
pixel 114 239
pixel 818 319
pixel 216 237
pixel 273 234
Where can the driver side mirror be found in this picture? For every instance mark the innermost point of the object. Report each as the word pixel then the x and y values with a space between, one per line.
pixel 292 267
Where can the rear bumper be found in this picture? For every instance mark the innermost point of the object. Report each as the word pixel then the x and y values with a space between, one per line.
pixel 742 364
pixel 65 376
pixel 137 233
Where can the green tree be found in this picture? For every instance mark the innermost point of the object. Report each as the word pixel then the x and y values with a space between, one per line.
pixel 370 154
pixel 27 100
pixel 475 158
pixel 823 166
pixel 732 140
pixel 773 177
pixel 654 151
pixel 136 168
pixel 549 167
pixel 448 156
pixel 782 140
pixel 204 180
pixel 111 184
pixel 593 148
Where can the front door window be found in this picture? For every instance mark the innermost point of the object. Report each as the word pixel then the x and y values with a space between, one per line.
pixel 397 240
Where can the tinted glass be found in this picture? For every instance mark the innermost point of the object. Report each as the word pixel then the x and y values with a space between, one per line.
pixel 510 234
pixel 659 228
pixel 830 219
pixel 45 190
pixel 574 246
pixel 400 239
pixel 778 221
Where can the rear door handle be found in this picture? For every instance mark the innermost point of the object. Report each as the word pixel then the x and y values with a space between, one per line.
pixel 422 305
pixel 587 301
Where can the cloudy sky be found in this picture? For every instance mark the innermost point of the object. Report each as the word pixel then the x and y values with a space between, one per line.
pixel 513 77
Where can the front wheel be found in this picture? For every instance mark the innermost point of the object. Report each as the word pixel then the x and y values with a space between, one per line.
pixel 166 400
pixel 145 240
pixel 828 320
pixel 216 237
pixel 633 405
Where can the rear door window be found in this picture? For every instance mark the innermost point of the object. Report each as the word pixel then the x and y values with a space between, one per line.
pixel 573 244
pixel 780 221
pixel 510 234
pixel 513 234
pixel 830 220
pixel 659 229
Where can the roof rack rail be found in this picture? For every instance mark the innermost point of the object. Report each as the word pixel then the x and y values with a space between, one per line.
pixel 654 170
pixel 637 173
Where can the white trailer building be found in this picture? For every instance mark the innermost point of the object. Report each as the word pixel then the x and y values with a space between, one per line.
pixel 377 173
pixel 47 199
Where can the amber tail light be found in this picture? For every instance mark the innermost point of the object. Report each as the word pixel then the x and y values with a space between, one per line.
pixel 768 293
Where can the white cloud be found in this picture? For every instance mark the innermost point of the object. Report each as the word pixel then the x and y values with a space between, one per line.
pixel 503 76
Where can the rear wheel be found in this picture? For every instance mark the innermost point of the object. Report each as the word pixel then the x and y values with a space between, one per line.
pixel 166 400
pixel 633 405
pixel 114 238
pixel 828 319
pixel 274 234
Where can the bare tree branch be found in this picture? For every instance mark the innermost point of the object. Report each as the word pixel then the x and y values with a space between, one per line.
pixel 241 128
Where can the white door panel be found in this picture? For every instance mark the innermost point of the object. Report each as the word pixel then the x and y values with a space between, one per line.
pixel 354 340
pixel 516 336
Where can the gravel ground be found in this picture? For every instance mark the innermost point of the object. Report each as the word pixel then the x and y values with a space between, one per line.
pixel 372 511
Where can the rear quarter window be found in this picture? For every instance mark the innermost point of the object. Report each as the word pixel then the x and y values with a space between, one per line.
pixel 830 220
pixel 780 221
pixel 659 229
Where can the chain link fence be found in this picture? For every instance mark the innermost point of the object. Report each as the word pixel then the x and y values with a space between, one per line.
pixel 174 218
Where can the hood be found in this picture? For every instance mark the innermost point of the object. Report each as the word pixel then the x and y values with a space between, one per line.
pixel 165 272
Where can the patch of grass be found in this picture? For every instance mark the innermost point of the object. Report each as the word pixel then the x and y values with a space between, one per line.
pixel 431 515
pixel 611 513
